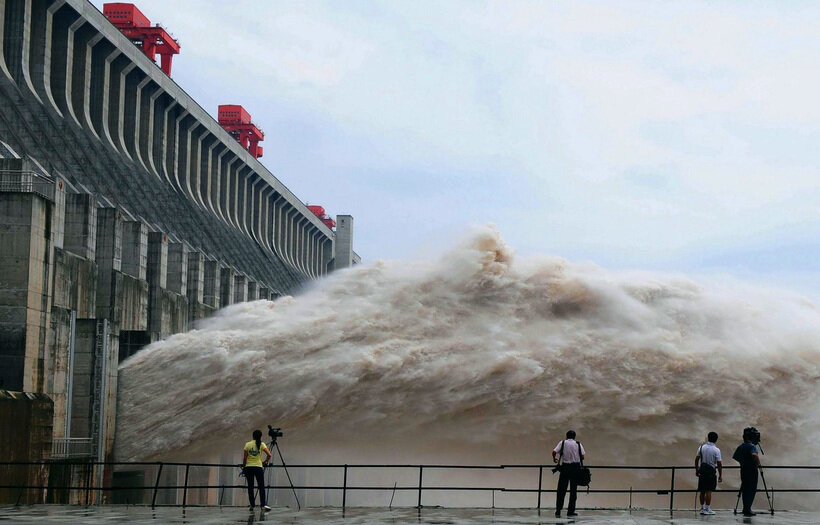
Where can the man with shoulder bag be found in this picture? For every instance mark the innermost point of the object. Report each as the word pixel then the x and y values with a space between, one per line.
pixel 709 470
pixel 568 454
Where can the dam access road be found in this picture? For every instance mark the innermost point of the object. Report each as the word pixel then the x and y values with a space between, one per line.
pixel 96 515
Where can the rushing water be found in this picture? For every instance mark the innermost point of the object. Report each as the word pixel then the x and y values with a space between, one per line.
pixel 477 357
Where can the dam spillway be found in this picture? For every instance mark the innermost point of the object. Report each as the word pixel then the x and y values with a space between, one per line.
pixel 127 214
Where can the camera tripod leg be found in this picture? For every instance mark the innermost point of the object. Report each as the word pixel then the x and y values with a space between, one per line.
pixel 739 492
pixel 766 491
pixel 275 445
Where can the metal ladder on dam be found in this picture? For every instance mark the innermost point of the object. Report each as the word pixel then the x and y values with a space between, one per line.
pixel 99 386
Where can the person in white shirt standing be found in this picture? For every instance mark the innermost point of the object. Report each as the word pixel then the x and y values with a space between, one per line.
pixel 568 453
pixel 709 470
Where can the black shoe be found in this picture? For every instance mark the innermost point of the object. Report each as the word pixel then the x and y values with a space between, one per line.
pixel 750 513
pixel 571 514
pixel 557 513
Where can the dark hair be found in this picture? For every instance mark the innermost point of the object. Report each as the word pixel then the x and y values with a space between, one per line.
pixel 570 434
pixel 712 437
pixel 257 436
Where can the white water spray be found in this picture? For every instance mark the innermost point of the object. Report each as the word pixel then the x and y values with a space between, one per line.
pixel 477 358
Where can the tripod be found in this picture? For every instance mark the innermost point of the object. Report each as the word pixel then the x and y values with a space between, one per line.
pixel 275 445
pixel 765 489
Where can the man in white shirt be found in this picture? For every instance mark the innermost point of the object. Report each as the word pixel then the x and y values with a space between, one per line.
pixel 709 470
pixel 568 453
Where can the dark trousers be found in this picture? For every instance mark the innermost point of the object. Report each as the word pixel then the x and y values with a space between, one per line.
pixel 748 487
pixel 257 474
pixel 569 475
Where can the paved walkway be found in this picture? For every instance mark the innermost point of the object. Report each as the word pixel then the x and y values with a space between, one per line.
pixel 58 514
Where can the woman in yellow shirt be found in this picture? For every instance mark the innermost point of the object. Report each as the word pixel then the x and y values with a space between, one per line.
pixel 254 467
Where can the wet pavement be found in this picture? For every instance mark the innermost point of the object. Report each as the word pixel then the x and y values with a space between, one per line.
pixel 60 514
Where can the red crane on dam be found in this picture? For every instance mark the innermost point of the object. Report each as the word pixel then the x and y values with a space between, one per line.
pixel 237 121
pixel 319 211
pixel 153 40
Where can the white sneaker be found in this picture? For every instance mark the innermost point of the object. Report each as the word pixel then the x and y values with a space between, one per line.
pixel 709 511
pixel 268 508
pixel 703 510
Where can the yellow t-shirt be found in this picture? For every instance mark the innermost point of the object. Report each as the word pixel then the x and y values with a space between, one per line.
pixel 254 454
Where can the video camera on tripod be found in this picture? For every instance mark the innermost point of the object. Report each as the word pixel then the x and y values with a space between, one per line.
pixel 275 433
pixel 752 435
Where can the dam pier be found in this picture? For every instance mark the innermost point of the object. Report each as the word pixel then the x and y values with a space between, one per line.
pixel 127 213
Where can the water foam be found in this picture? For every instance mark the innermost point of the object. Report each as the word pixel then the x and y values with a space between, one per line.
pixel 476 357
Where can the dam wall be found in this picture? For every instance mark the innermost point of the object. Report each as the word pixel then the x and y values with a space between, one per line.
pixel 126 214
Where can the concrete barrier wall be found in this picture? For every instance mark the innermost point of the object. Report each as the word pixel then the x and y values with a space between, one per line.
pixel 25 435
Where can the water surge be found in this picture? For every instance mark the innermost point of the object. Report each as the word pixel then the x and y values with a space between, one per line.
pixel 480 357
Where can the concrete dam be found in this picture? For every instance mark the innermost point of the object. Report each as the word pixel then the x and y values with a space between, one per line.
pixel 126 213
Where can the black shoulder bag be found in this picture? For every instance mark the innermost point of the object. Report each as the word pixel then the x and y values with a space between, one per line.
pixel 584 476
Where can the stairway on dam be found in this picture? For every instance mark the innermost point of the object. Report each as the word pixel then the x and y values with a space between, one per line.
pixel 126 214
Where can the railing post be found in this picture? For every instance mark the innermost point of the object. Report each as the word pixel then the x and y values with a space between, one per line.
pixel 344 489
pixel 672 493
pixel 156 484
pixel 88 468
pixel 540 477
pixel 421 472
pixel 185 490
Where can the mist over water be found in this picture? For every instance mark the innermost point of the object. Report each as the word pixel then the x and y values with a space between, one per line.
pixel 478 357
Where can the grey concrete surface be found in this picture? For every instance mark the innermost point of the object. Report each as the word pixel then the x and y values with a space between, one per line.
pixel 213 515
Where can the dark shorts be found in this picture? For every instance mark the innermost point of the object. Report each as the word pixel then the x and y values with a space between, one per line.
pixel 707 483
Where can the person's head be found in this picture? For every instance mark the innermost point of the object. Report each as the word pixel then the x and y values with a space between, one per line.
pixel 570 434
pixel 712 437
pixel 257 436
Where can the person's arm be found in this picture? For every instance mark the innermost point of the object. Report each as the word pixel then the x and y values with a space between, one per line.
pixel 697 465
pixel 757 459
pixel 244 458
pixel 720 471
pixel 267 453
pixel 555 454
pixel 581 451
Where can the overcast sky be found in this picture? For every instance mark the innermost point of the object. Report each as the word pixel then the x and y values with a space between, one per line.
pixel 674 136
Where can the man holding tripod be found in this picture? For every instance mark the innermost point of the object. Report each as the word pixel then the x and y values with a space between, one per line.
pixel 746 455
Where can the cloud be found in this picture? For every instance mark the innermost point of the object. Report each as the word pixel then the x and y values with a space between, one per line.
pixel 620 132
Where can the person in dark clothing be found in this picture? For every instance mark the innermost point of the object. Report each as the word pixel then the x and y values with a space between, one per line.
pixel 746 455
pixel 568 453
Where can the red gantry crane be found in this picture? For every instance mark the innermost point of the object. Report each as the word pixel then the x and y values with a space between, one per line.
pixel 320 212
pixel 236 121
pixel 152 40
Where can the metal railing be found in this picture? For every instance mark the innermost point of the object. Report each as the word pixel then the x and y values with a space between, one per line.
pixel 26 181
pixel 87 485
pixel 69 448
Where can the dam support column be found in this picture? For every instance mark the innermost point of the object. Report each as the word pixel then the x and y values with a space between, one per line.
pixel 31 212
pixel 344 242
pixel 212 284
pixel 227 279
pixel 197 308
pixel 240 289
pixel 167 277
